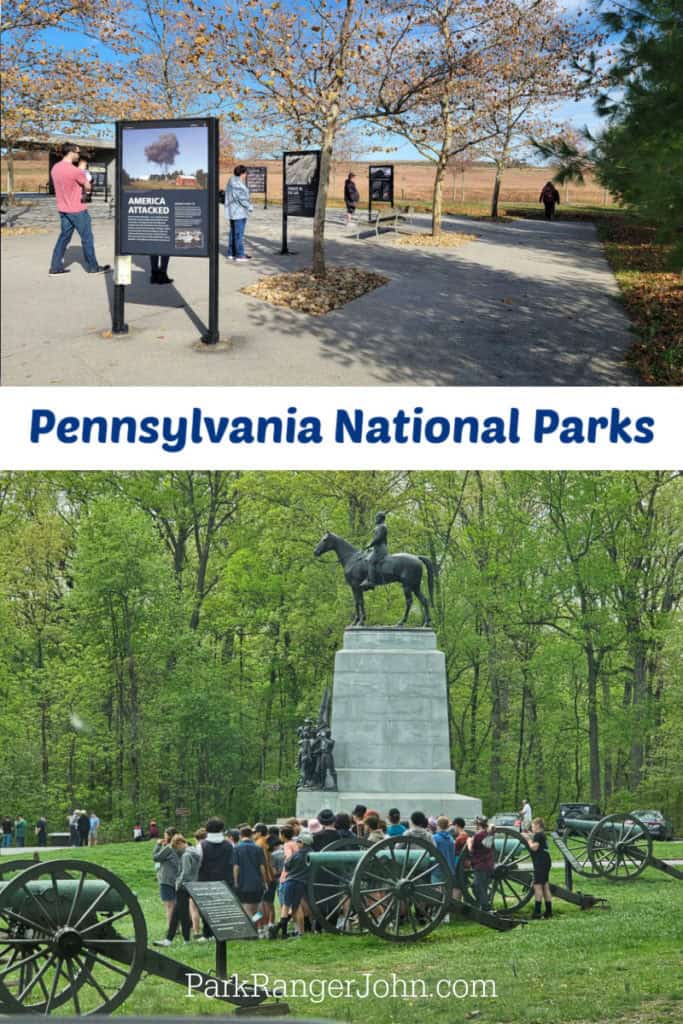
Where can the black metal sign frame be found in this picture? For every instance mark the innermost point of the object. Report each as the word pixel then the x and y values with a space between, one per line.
pixel 317 153
pixel 209 218
pixel 388 178
pixel 261 175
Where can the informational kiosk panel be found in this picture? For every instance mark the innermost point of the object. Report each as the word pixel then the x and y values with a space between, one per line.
pixel 167 175
pixel 257 180
pixel 380 185
pixel 221 910
pixel 300 181
pixel 166 201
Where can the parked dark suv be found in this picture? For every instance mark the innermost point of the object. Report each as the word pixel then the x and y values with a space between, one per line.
pixel 590 811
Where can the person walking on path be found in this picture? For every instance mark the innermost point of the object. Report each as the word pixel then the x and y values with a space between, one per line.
pixel 69 184
pixel 6 832
pixel 540 858
pixel 20 830
pixel 550 198
pixel 238 206
pixel 351 198
pixel 480 847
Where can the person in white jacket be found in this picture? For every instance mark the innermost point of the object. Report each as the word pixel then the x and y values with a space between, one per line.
pixel 238 206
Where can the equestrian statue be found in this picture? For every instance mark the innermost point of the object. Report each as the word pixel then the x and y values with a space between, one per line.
pixel 373 567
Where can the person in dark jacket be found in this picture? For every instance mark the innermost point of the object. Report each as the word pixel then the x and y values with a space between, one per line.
pixel 550 198
pixel 83 825
pixel 540 858
pixel 218 859
pixel 328 833
pixel 351 197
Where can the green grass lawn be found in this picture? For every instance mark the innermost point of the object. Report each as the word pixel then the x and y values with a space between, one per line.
pixel 623 963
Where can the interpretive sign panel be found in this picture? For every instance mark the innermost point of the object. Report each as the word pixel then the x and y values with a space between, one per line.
pixel 301 179
pixel 382 184
pixel 167 178
pixel 257 180
pixel 221 910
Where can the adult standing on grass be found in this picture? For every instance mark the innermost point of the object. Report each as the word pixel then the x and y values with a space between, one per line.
pixel 218 859
pixel 69 184
pixel 293 889
pixel 540 858
pixel 351 197
pixel 238 206
pixel 550 198
pixel 167 865
pixel 20 830
pixel 526 815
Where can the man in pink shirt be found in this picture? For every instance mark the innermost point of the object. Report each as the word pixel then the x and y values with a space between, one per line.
pixel 69 182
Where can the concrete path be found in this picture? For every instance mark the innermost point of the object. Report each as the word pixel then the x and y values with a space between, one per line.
pixel 527 303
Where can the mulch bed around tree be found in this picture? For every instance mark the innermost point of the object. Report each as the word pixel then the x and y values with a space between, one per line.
pixel 424 240
pixel 305 293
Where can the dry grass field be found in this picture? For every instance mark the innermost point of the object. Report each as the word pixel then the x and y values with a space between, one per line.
pixel 413 181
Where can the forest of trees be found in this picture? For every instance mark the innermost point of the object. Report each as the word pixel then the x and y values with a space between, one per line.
pixel 162 634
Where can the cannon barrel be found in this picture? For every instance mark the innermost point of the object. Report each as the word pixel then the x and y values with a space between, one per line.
pixel 47 900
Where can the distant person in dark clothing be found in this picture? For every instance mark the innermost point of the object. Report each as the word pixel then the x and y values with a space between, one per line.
pixel 218 859
pixel 41 831
pixel 83 825
pixel 342 823
pixel 351 197
pixel 357 814
pixel 550 198
pixel 540 858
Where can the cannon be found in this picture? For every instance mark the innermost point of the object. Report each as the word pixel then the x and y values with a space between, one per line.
pixel 402 888
pixel 73 939
pixel 617 848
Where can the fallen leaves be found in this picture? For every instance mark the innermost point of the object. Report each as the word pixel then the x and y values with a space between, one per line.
pixel 305 293
pixel 652 295
pixel 15 232
pixel 425 240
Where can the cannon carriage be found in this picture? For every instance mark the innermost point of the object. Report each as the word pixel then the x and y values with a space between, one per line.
pixel 402 888
pixel 73 939
pixel 616 848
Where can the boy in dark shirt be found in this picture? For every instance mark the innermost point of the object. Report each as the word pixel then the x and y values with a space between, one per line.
pixel 540 858
pixel 249 871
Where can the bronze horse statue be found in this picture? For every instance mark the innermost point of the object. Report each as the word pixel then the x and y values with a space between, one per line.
pixel 399 568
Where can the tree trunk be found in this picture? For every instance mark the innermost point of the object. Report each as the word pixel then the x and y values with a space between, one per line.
pixel 437 195
pixel 319 268
pixel 10 171
pixel 496 192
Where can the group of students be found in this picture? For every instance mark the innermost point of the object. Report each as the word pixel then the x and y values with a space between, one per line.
pixel 261 862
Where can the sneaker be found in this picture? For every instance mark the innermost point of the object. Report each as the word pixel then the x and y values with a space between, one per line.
pixel 202 938
pixel 271 931
pixel 242 259
pixel 100 269
pixel 162 942
pixel 62 270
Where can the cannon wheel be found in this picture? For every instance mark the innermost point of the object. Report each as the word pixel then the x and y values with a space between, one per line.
pixel 329 891
pixel 512 881
pixel 619 847
pixel 401 888
pixel 60 954
pixel 577 844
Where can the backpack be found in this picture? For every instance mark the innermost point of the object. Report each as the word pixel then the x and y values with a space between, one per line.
pixel 548 194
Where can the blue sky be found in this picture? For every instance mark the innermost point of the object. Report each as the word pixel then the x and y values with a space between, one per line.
pixel 578 114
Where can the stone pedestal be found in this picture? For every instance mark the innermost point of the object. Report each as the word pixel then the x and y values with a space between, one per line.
pixel 390 726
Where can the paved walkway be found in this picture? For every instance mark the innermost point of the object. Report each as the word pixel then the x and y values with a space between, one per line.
pixel 528 303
